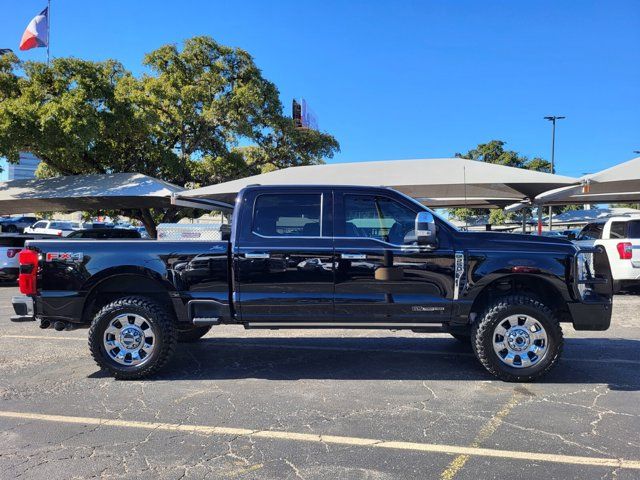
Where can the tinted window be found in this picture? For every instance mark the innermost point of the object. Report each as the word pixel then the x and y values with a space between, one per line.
pixel 618 230
pixel 592 231
pixel 39 225
pixel 381 218
pixel 104 233
pixel 296 215
pixel 634 229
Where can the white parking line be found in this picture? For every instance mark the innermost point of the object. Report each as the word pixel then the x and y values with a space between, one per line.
pixel 249 343
pixel 331 439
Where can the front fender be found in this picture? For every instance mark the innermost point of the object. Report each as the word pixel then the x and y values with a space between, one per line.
pixel 484 269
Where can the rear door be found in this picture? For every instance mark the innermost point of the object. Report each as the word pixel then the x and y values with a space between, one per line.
pixel 382 277
pixel 283 257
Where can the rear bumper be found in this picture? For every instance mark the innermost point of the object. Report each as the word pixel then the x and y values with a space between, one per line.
pixel 590 316
pixel 23 306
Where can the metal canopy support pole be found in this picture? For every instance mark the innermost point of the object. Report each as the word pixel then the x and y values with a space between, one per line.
pixel 552 119
pixel 540 220
pixel 553 170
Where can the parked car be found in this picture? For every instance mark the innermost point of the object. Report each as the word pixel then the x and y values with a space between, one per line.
pixel 142 231
pixel 16 224
pixel 552 233
pixel 505 294
pixel 87 225
pixel 52 227
pixel 571 233
pixel 10 247
pixel 620 236
pixel 104 233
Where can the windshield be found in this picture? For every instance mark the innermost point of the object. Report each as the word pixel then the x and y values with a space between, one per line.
pixel 592 231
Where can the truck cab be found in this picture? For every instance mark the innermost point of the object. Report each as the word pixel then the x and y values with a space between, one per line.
pixel 314 256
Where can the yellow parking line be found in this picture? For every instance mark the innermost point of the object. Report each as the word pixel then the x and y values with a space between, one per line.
pixel 249 343
pixel 485 433
pixel 331 439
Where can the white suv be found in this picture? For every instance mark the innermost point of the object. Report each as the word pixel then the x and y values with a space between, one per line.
pixel 620 236
pixel 52 227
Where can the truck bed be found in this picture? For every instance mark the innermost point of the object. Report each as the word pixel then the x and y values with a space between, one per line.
pixel 71 269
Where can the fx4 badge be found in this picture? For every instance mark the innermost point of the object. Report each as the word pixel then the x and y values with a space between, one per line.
pixel 64 256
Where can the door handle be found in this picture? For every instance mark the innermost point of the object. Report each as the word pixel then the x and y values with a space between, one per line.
pixel 256 255
pixel 354 256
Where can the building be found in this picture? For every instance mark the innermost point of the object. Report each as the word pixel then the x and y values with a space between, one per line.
pixel 25 169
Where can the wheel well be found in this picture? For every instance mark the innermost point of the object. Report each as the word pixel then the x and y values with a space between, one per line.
pixel 522 285
pixel 121 285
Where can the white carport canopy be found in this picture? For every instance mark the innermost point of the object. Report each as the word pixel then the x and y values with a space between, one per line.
pixel 85 192
pixel 616 184
pixel 439 182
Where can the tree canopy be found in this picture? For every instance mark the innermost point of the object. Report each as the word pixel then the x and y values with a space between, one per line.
pixel 494 152
pixel 200 115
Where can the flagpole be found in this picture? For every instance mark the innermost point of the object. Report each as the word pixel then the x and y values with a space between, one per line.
pixel 48 28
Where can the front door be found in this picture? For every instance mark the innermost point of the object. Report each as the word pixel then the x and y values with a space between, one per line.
pixel 283 259
pixel 382 276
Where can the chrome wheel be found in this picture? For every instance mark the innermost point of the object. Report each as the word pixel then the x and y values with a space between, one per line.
pixel 520 341
pixel 129 339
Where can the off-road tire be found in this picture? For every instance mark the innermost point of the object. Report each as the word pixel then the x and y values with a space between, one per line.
pixel 156 315
pixel 482 337
pixel 190 333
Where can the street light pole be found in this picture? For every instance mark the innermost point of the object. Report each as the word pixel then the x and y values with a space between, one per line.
pixel 552 119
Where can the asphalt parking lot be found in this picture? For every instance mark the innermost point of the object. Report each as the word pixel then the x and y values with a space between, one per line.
pixel 319 404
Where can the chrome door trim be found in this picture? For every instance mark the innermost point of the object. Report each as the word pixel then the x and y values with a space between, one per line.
pixel 256 255
pixel 354 256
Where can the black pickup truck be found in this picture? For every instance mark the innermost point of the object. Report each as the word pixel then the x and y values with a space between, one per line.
pixel 320 257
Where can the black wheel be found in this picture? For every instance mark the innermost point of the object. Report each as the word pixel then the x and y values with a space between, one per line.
pixel 132 337
pixel 462 338
pixel 617 287
pixel 10 229
pixel 189 333
pixel 517 338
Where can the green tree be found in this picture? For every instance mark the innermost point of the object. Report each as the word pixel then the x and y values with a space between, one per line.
pixel 626 205
pixel 202 114
pixel 494 152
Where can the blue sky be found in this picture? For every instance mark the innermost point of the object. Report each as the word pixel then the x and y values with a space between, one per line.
pixel 402 79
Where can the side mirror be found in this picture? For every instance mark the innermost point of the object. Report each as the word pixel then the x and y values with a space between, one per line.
pixel 426 229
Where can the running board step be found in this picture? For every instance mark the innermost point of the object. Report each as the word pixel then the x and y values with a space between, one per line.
pixel 206 321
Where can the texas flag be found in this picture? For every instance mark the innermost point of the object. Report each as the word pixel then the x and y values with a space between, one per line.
pixel 36 34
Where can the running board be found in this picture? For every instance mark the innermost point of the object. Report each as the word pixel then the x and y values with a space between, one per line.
pixel 205 321
pixel 204 312
pixel 418 327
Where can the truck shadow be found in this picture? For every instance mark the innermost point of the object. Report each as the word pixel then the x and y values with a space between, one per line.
pixel 615 362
